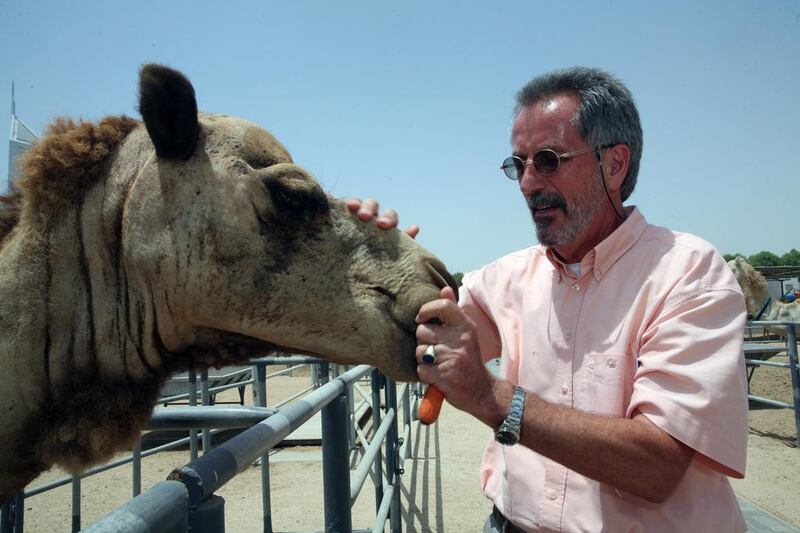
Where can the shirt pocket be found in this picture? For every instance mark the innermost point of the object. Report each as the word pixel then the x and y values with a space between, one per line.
pixel 601 384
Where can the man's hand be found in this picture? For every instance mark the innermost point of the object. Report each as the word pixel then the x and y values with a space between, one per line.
pixel 368 209
pixel 459 372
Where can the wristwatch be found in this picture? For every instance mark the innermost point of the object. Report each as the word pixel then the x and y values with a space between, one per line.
pixel 508 432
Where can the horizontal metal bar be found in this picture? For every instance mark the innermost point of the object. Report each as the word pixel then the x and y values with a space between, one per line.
pixel 206 474
pixel 164 507
pixel 759 362
pixel 235 385
pixel 286 360
pixel 383 510
pixel 285 371
pixel 294 397
pixel 109 466
pixel 207 416
pixel 774 403
pixel 211 390
pixel 774 323
pixel 360 475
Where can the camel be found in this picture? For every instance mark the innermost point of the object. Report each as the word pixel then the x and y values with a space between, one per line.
pixel 754 287
pixel 132 250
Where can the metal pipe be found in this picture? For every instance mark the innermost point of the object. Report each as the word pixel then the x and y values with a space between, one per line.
pixel 375 385
pixel 109 466
pixel 206 399
pixel 161 508
pixel 76 503
pixel 7 517
pixel 192 403
pixel 211 471
pixel 136 459
pixel 794 368
pixel 212 416
pixel 360 475
pixel 266 497
pixel 392 459
pixel 335 464
pixel 286 360
pixel 406 449
pixel 759 362
pixel 383 510
pixel 767 401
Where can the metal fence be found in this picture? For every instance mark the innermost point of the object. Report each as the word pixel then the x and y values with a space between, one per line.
pixel 757 354
pixel 186 500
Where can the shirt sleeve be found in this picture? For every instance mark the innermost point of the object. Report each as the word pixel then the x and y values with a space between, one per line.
pixel 691 378
pixel 470 301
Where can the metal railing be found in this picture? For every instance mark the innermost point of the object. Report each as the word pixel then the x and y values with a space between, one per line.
pixel 790 330
pixel 187 499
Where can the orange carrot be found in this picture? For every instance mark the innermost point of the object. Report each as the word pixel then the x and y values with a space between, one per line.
pixel 430 405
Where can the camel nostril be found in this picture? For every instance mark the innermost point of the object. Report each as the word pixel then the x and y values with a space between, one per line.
pixel 441 276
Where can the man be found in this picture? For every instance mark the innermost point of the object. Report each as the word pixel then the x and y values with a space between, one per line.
pixel 622 403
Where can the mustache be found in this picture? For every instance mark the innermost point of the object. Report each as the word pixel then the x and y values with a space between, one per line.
pixel 541 199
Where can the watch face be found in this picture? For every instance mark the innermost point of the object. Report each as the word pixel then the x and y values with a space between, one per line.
pixel 506 436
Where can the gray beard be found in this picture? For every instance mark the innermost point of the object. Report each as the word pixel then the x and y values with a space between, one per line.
pixel 577 216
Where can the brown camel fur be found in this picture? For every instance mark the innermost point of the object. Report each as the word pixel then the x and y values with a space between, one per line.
pixel 134 250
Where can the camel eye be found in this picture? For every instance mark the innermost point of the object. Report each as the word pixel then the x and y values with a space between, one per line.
pixel 259 163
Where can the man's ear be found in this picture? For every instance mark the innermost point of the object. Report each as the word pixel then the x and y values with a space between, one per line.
pixel 615 165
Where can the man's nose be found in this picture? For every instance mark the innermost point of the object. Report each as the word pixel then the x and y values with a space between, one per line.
pixel 531 181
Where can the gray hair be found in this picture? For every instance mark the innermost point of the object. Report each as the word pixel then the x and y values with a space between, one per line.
pixel 606 113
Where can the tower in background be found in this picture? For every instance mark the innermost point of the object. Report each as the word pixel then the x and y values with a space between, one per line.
pixel 20 139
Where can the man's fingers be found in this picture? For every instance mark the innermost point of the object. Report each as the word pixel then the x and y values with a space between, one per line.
pixel 444 310
pixel 448 294
pixel 368 209
pixel 353 204
pixel 388 219
pixel 412 231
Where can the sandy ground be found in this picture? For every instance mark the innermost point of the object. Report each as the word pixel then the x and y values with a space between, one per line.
pixel 772 480
pixel 440 493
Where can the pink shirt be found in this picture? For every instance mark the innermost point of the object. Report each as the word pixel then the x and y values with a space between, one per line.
pixel 653 324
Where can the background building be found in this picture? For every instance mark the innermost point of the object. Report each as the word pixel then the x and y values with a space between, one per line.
pixel 20 139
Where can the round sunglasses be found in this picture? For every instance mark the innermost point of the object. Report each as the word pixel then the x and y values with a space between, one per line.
pixel 545 161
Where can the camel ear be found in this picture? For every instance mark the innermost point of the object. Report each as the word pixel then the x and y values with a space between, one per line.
pixel 169 109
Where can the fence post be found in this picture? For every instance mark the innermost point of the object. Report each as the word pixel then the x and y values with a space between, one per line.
pixel 192 403
pixel 791 348
pixel 209 516
pixel 76 503
pixel 266 503
pixel 12 514
pixel 7 517
pixel 206 400
pixel 407 421
pixel 393 470
pixel 137 467
pixel 335 465
pixel 375 380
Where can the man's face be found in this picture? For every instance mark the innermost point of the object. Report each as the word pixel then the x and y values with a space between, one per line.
pixel 563 204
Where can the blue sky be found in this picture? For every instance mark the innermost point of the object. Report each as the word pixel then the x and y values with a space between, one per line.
pixel 410 102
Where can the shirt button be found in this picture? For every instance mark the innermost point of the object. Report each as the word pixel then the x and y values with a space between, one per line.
pixel 553 495
pixel 611 363
pixel 567 335
pixel 564 388
pixel 575 287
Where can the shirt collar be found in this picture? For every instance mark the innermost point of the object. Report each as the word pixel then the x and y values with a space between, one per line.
pixel 603 256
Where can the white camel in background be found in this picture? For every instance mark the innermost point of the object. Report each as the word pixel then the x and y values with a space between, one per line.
pixel 754 286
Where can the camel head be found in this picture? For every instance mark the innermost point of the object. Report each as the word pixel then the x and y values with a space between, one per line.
pixel 243 252
pixel 192 240
pixel 753 284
